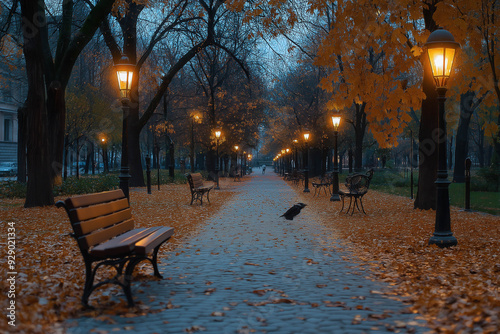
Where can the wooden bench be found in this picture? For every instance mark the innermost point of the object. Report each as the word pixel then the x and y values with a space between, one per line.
pixel 356 187
pixel 198 189
pixel 104 230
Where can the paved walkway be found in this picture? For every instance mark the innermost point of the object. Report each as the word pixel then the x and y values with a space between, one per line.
pixel 250 271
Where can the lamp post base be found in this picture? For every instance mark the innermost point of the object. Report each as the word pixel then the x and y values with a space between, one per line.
pixel 443 240
pixel 335 198
pixel 307 190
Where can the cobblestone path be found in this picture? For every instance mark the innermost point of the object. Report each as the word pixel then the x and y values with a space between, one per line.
pixel 250 271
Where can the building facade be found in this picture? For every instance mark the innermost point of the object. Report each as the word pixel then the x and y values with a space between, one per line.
pixel 8 130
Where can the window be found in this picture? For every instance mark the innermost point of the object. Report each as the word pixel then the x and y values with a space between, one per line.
pixel 7 124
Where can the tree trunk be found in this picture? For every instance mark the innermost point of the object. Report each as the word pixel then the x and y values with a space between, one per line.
pixel 39 189
pixel 427 136
pixel 359 135
pixel 428 157
pixel 56 111
pixel 462 139
pixel 134 149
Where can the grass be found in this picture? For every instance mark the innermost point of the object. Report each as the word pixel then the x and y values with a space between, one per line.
pixel 396 182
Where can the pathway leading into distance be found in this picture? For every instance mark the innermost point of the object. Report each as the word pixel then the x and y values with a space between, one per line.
pixel 250 271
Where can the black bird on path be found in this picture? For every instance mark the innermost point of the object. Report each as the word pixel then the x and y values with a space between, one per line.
pixel 293 211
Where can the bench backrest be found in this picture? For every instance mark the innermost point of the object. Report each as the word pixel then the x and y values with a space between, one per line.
pixel 359 182
pixel 195 180
pixel 96 218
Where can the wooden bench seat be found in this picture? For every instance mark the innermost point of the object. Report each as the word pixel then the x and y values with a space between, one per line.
pixel 197 187
pixel 104 230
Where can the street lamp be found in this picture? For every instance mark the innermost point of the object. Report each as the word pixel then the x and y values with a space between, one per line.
pixel 306 162
pixel 288 161
pixel 104 156
pixel 194 118
pixel 295 144
pixel 283 163
pixel 125 73
pixel 335 175
pixel 279 163
pixel 244 163
pixel 441 49
pixel 217 135
pixel 236 148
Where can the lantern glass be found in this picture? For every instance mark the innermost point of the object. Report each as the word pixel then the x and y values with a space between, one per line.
pixel 441 60
pixel 336 122
pixel 306 136
pixel 125 74
pixel 217 133
pixel 236 147
pixel 441 50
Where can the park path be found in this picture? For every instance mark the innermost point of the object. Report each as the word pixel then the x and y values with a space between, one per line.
pixel 250 271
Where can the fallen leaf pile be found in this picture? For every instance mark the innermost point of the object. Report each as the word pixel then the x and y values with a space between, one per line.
pixel 456 289
pixel 50 269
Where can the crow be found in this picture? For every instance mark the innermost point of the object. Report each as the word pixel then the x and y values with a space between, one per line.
pixel 293 211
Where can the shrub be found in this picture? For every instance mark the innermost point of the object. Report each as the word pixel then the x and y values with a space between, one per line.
pixel 487 179
pixel 12 189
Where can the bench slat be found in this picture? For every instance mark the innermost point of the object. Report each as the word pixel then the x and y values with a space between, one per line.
pixel 99 236
pixel 86 200
pixel 146 245
pixel 91 225
pixel 97 210
pixel 122 244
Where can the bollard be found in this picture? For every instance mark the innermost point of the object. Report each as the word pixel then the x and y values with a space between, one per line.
pixel 468 164
pixel 148 174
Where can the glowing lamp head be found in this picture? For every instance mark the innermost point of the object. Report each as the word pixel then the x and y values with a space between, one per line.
pixel 306 136
pixel 217 133
pixel 336 121
pixel 236 147
pixel 125 73
pixel 441 50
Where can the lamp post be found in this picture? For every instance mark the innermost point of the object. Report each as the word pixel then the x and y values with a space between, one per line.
pixel 335 175
pixel 194 118
pixel 125 73
pixel 236 148
pixel 306 162
pixel 282 162
pixel 295 144
pixel 279 163
pixel 244 163
pixel 288 161
pixel 217 136
pixel 441 49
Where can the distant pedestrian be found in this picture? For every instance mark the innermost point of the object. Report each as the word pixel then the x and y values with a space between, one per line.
pixel 263 169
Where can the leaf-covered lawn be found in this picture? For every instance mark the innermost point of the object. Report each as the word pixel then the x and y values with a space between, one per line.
pixel 456 289
pixel 50 268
